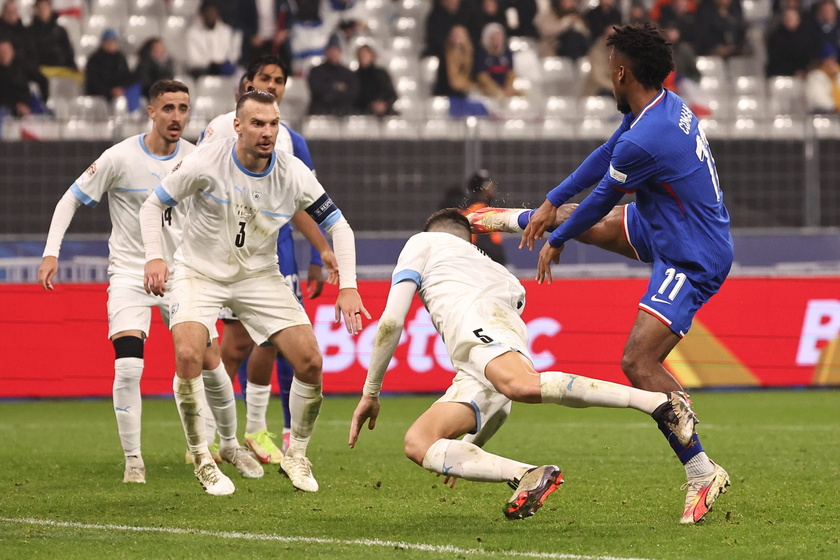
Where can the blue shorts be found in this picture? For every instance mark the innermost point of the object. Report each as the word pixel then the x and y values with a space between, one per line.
pixel 674 293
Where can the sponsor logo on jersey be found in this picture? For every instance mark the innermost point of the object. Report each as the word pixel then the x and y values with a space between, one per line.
pixel 174 169
pixel 617 175
pixel 90 170
pixel 174 309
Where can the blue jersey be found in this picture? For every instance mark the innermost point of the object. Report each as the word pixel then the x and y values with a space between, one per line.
pixel 663 157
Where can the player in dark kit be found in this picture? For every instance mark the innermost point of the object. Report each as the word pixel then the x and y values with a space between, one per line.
pixel 678 223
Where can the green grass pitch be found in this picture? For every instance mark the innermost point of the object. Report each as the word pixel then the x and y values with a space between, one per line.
pixel 62 496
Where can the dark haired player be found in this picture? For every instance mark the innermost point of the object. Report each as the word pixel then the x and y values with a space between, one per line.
pixel 678 223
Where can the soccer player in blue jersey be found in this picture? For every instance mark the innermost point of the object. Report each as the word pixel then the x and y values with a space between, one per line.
pixel 253 365
pixel 678 223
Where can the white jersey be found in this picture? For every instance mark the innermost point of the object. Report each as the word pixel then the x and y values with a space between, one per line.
pixel 129 172
pixel 231 230
pixel 222 127
pixel 451 274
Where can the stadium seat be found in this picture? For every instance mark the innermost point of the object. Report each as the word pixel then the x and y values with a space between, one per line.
pixel 321 127
pixel 519 129
pixel 184 8
pixel 207 107
pixel 714 128
pixel 418 9
pixel 114 10
pixel 149 8
pixel 359 127
pixel 786 95
pixel 195 127
pixel 517 44
pixel 560 107
pixel 42 127
pixel 403 46
pixel 596 128
pixel 97 23
pixel 73 26
pixel 712 66
pixel 428 71
pixel 599 107
pixel 519 107
pixel 406 86
pixel 407 27
pixel 380 9
pixel 559 76
pixel 84 107
pixel 398 128
pixel 443 129
pixel 750 106
pixel 296 99
pixel 749 85
pixel 378 28
pixel 138 29
pixel 713 85
pixel 409 108
pixel 826 126
pixel 527 64
pixel 748 127
pixel 437 107
pixel 216 86
pixel 756 12
pixel 525 87
pixel 787 127
pixel 80 129
pixel 173 35
pixel 65 88
pixel 555 128
pixel 400 66
pixel 745 66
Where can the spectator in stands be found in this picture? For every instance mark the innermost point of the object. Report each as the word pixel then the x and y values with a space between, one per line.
pixel 445 15
pixel 15 75
pixel 12 29
pixel 212 45
pixel 492 11
pixel 822 24
pixel 525 12
pixel 494 63
pixel 563 32
pixel 790 46
pixel 684 80
pixel 603 16
pixel 638 13
pixel 376 90
pixel 720 29
pixel 676 13
pixel 598 81
pixel 265 29
pixel 822 84
pixel 106 73
pixel 455 75
pixel 153 64
pixel 333 86
pixel 51 42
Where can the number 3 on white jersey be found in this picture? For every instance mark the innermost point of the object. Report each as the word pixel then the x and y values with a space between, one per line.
pixel 705 154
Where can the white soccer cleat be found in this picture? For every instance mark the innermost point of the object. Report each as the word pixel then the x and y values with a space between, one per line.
pixel 135 470
pixel 702 493
pixel 244 462
pixel 299 470
pixel 212 479
pixel 493 220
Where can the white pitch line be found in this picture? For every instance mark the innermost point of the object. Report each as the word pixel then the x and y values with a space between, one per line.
pixel 314 540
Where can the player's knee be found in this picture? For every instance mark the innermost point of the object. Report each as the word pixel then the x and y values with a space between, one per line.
pixel 128 347
pixel 308 367
pixel 189 356
pixel 415 446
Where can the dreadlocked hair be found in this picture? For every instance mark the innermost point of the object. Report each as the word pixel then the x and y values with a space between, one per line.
pixel 650 55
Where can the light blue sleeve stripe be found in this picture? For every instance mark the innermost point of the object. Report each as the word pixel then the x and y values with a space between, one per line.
pixel 217 199
pixel 275 214
pixel 331 219
pixel 406 275
pixel 86 200
pixel 164 196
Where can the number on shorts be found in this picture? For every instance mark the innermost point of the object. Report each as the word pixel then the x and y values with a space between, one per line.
pixel 240 237
pixel 482 337
pixel 166 217
pixel 670 275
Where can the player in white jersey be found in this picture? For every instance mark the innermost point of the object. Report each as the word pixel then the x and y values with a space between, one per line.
pixel 253 364
pixel 128 172
pixel 475 305
pixel 242 191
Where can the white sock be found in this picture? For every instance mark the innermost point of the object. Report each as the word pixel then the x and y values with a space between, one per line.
pixel 451 457
pixel 220 397
pixel 128 405
pixel 699 466
pixel 192 413
pixel 576 391
pixel 256 401
pixel 304 406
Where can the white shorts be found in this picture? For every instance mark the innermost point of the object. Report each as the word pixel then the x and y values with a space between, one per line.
pixel 264 304
pixel 489 328
pixel 227 315
pixel 482 397
pixel 130 307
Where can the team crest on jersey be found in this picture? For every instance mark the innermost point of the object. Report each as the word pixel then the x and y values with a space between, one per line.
pixel 257 195
pixel 90 170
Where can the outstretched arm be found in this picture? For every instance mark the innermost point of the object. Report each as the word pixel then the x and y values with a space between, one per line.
pixel 384 345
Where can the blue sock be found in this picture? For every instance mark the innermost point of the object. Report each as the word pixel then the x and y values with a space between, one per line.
pixel 242 375
pixel 524 218
pixel 684 454
pixel 285 374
